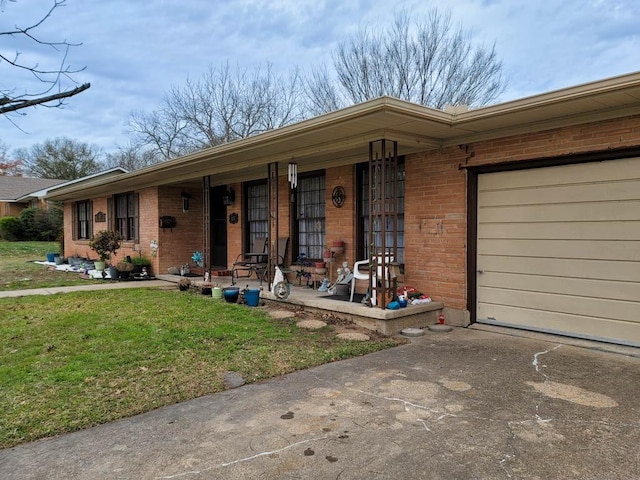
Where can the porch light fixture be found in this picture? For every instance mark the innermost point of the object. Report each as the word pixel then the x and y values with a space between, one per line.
pixel 229 196
pixel 293 175
pixel 185 201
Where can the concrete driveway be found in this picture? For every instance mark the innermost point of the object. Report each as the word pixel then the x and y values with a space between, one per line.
pixel 468 404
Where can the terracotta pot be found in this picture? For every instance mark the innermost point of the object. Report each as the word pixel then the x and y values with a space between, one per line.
pixel 338 243
pixel 321 264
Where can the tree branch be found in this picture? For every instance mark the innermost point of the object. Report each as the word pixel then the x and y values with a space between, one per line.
pixel 13 105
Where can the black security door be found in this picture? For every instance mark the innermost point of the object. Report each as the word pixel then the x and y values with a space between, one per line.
pixel 218 228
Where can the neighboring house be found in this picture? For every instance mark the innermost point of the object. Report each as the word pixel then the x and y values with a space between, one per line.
pixel 523 214
pixel 18 193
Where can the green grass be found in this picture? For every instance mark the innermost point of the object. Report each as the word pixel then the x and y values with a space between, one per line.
pixel 74 360
pixel 17 270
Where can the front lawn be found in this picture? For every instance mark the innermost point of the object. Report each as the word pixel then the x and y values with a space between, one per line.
pixel 74 360
pixel 17 270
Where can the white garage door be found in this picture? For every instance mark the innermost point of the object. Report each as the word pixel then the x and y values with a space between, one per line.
pixel 559 250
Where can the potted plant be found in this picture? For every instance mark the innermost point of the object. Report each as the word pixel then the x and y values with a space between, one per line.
pixel 140 264
pixel 124 268
pixel 184 284
pixel 105 243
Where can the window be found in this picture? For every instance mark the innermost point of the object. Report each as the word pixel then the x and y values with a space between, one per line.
pixel 82 220
pixel 363 227
pixel 257 213
pixel 310 221
pixel 126 215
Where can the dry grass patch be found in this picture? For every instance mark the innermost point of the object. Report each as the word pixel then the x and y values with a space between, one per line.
pixel 17 270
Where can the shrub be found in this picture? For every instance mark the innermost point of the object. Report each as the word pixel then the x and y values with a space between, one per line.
pixel 141 261
pixel 10 229
pixel 41 225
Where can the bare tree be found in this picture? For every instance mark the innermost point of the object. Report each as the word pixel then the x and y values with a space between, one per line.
pixel 225 104
pixel 131 157
pixel 53 91
pixel 9 167
pixel 61 158
pixel 431 62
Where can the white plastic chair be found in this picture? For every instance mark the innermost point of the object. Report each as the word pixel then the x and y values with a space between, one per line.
pixel 364 275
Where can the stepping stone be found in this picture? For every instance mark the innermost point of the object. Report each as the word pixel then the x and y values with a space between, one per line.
pixel 232 380
pixel 440 328
pixel 356 336
pixel 311 324
pixel 412 332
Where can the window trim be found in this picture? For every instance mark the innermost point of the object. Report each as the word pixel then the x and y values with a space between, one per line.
pixel 248 239
pixel 132 218
pixel 77 223
pixel 295 228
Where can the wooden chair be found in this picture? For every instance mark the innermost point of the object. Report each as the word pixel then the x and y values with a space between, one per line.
pixel 251 262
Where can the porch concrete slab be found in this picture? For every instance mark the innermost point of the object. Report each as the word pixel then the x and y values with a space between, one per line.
pixel 468 404
pixel 385 321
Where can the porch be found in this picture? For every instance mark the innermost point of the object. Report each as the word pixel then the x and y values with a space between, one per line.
pixel 385 321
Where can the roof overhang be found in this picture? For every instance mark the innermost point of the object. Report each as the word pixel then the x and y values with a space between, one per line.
pixel 342 137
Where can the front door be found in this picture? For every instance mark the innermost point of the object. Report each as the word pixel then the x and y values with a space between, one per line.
pixel 218 229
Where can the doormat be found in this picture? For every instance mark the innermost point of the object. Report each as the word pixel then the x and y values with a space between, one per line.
pixel 357 297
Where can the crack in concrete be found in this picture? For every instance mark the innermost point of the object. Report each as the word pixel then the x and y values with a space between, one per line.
pixel 244 459
pixel 262 454
pixel 535 360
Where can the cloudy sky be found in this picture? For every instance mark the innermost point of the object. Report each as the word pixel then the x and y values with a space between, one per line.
pixel 135 50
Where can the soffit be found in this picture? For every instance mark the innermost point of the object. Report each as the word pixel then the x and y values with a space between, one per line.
pixel 342 137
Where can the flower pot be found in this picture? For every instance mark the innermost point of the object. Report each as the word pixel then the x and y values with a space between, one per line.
pixel 113 273
pixel 99 266
pixel 58 260
pixel 51 257
pixel 338 244
pixel 321 264
pixel 216 293
pixel 231 294
pixel 252 297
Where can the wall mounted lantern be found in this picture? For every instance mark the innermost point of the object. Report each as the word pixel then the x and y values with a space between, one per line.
pixel 229 196
pixel 185 201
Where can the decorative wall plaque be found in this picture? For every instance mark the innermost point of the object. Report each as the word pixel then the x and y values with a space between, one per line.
pixel 338 197
pixel 100 217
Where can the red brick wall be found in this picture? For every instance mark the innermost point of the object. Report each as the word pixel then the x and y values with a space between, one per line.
pixel 234 231
pixel 435 206
pixel 340 222
pixel 176 245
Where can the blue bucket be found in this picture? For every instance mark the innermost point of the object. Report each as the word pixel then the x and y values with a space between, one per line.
pixel 252 297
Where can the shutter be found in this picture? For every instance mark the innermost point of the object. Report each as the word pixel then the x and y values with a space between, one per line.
pixel 90 219
pixel 111 220
pixel 136 215
pixel 74 221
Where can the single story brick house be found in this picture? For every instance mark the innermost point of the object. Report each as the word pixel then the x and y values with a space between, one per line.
pixel 19 193
pixel 524 214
